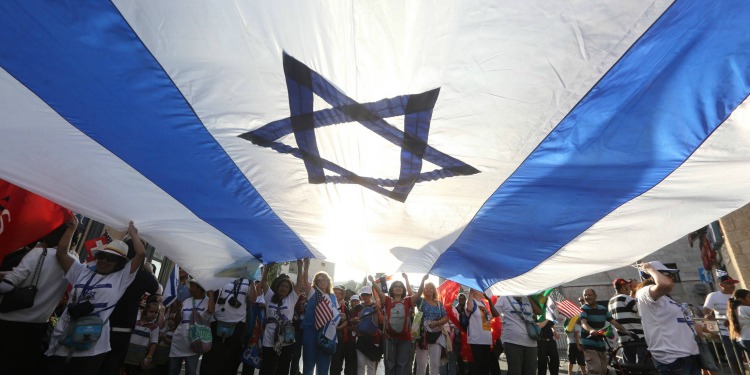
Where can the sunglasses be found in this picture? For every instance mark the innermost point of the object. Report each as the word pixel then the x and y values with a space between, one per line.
pixel 108 257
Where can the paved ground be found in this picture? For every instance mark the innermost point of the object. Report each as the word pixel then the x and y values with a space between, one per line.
pixel 563 370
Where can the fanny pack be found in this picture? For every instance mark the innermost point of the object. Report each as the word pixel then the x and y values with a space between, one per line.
pixel 224 330
pixel 82 333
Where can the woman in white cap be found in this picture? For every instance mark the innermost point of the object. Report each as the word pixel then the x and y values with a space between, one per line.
pixel 95 292
pixel 368 321
pixel 198 308
pixel 667 327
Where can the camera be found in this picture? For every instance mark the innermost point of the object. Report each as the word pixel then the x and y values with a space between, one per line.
pixel 234 303
pixel 80 310
pixel 221 301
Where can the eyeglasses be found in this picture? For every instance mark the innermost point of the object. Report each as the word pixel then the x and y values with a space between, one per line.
pixel 321 280
pixel 108 257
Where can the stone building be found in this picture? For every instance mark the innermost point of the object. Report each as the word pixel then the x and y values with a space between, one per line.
pixel 734 255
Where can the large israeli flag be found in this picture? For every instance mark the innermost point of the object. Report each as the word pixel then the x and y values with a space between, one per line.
pixel 501 144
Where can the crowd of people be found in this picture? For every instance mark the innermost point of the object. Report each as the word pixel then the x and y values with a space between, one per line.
pixel 110 317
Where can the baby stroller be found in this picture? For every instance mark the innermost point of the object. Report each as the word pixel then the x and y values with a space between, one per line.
pixel 619 366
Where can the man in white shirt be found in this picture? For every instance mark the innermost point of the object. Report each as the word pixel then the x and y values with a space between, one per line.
pixel 715 307
pixel 28 326
pixel 225 353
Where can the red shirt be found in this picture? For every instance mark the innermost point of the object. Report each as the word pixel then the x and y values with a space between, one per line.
pixel 389 304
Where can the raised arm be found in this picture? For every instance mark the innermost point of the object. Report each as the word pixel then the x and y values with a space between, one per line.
pixel 306 276
pixel 300 277
pixel 376 287
pixel 408 286
pixel 494 311
pixel 416 297
pixel 264 278
pixel 140 250
pixel 469 302
pixel 378 305
pixel 62 256
pixel 663 283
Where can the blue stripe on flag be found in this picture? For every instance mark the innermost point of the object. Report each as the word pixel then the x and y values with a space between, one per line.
pixel 87 64
pixel 170 294
pixel 641 121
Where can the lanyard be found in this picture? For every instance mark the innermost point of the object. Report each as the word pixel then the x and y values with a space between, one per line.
pixel 237 286
pixel 87 288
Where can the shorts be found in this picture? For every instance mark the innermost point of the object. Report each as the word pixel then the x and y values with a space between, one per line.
pixel 575 356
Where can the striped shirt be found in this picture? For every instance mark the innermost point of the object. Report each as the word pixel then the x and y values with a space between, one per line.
pixel 596 317
pixel 625 311
pixel 144 334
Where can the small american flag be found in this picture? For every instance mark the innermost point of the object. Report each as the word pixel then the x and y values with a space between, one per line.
pixel 323 310
pixel 565 306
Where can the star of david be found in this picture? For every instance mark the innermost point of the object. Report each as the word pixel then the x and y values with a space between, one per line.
pixel 302 83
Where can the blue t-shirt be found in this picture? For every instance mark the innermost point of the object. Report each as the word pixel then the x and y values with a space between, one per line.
pixel 597 318
pixel 430 312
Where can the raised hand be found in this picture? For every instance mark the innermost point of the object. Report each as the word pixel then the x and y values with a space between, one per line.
pixel 132 230
pixel 72 222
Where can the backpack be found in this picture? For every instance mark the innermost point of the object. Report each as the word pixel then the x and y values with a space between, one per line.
pixel 398 319
pixel 368 321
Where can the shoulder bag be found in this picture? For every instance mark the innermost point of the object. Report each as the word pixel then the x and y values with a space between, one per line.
pixel 23 298
pixel 532 329
pixel 199 334
pixel 705 356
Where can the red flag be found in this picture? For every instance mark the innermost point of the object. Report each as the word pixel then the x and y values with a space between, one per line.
pixel 448 290
pixel 323 311
pixel 25 217
pixel 95 242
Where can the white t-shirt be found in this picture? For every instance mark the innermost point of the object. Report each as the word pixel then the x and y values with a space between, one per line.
pixel 667 330
pixel 51 285
pixel 514 328
pixel 480 328
pixel 743 319
pixel 571 335
pixel 103 292
pixel 180 344
pixel 285 311
pixel 227 313
pixel 144 334
pixel 717 301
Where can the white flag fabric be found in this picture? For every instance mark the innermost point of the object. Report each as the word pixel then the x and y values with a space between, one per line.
pixel 504 145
